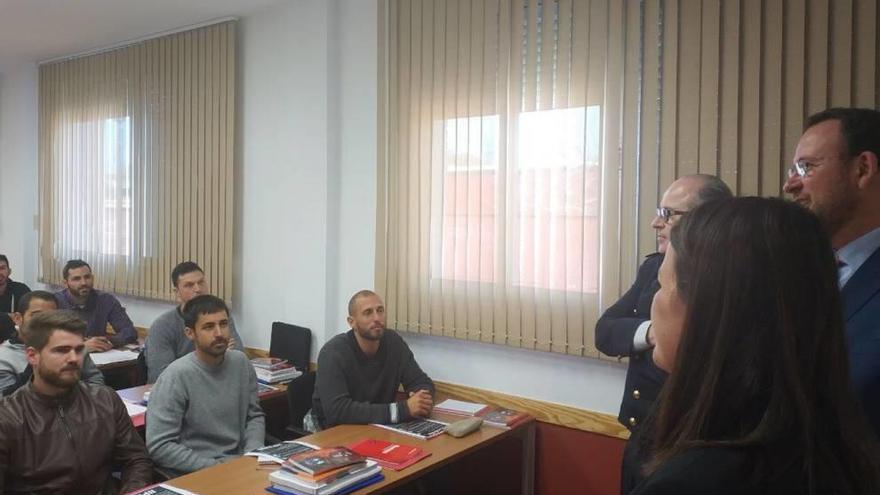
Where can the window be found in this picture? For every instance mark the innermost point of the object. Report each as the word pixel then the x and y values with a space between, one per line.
pixel 134 144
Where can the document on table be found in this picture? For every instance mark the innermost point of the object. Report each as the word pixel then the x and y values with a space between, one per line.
pixel 113 356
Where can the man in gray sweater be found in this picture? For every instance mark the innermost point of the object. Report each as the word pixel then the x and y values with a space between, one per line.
pixel 14 368
pixel 166 340
pixel 203 408
pixel 360 371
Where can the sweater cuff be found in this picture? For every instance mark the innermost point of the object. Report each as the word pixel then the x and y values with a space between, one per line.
pixel 640 339
pixel 402 412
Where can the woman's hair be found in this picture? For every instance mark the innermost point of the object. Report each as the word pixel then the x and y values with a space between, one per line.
pixel 762 362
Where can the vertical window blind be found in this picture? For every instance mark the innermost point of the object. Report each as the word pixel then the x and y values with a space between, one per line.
pixel 136 150
pixel 524 144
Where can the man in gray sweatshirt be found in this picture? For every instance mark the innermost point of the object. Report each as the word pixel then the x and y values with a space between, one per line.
pixel 359 372
pixel 166 340
pixel 204 408
pixel 14 368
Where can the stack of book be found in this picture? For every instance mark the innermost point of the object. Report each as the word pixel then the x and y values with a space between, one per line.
pixel 329 471
pixel 274 370
pixel 498 417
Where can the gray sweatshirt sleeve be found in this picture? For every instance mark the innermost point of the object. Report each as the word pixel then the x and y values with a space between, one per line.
pixel 90 373
pixel 255 429
pixel 164 421
pixel 336 401
pixel 160 349
pixel 239 344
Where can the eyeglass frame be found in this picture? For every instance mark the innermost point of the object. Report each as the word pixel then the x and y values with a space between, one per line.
pixel 802 168
pixel 667 213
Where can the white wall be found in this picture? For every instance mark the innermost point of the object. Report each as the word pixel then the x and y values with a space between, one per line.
pixel 18 171
pixel 306 195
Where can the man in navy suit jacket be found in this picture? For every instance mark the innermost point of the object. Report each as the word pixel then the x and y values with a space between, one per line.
pixel 625 328
pixel 836 174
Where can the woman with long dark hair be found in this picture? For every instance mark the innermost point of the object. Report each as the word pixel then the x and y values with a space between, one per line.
pixel 748 324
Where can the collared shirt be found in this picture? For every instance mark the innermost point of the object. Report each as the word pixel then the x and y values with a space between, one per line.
pixel 100 309
pixel 854 254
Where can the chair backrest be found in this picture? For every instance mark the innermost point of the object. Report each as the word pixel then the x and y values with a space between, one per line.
pixel 291 342
pixel 299 397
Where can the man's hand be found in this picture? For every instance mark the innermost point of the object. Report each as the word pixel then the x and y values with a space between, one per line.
pixel 230 344
pixel 420 403
pixel 98 344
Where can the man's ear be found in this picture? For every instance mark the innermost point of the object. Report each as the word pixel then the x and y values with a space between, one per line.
pixel 190 333
pixel 350 321
pixel 867 167
pixel 17 319
pixel 33 356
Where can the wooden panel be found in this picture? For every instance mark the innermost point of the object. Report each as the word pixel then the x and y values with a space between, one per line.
pixel 557 414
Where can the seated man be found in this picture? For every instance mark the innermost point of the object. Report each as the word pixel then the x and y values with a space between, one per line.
pixel 360 371
pixel 95 307
pixel 14 368
pixel 204 407
pixel 10 293
pixel 59 434
pixel 166 340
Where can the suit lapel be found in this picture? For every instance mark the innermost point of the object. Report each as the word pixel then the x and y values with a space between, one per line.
pixel 861 286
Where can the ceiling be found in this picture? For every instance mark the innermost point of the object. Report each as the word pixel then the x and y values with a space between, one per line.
pixel 37 30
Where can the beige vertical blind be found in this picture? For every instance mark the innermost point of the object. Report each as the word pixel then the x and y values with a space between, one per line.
pixel 136 161
pixel 524 144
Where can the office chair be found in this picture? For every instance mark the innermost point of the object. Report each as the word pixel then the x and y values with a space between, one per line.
pixel 291 342
pixel 299 400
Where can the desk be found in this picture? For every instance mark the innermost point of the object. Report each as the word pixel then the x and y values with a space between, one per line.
pixel 242 476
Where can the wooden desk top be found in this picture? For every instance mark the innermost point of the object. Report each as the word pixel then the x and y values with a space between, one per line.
pixel 242 476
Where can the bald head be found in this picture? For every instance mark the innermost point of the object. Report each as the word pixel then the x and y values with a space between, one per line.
pixel 683 195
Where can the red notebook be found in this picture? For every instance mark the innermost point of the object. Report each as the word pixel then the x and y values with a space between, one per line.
pixel 394 456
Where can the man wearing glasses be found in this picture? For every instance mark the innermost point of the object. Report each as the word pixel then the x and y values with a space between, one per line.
pixel 625 328
pixel 835 175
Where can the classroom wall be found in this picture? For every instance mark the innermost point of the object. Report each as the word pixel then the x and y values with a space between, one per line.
pixel 306 199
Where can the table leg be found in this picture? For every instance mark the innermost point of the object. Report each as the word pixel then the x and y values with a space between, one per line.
pixel 527 434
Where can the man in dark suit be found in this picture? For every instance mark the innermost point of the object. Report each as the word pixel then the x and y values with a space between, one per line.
pixel 625 328
pixel 835 174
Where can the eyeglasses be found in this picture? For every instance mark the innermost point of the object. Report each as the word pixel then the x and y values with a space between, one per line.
pixel 801 168
pixel 667 213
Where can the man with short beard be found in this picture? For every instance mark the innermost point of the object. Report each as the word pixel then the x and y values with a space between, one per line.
pixel 10 293
pixel 14 368
pixel 204 408
pixel 836 175
pixel 96 308
pixel 59 434
pixel 360 371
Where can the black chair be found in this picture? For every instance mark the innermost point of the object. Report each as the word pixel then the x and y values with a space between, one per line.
pixel 299 400
pixel 291 342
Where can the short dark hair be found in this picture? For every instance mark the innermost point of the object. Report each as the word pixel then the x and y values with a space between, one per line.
pixel 357 295
pixel 39 329
pixel 4 259
pixel 25 302
pixel 762 359
pixel 205 304
pixel 182 269
pixel 860 127
pixel 73 265
pixel 711 189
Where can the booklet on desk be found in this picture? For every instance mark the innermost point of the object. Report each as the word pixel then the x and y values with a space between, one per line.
pixel 323 460
pixel 161 489
pixel 280 452
pixel 461 408
pixel 503 418
pixel 391 455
